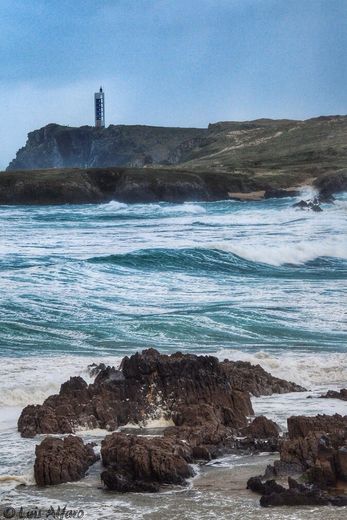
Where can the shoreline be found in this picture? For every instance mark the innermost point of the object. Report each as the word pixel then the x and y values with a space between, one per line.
pixel 148 185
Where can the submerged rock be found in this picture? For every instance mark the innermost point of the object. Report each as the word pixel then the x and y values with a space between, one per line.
pixel 62 460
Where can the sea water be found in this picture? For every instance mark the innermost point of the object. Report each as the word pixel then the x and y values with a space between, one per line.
pixel 256 281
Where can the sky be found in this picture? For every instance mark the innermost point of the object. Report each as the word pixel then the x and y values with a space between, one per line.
pixel 168 62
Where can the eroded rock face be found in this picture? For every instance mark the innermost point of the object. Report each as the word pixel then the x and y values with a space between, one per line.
pixel 62 460
pixel 187 389
pixel 316 449
pixel 262 428
pixel 144 463
pixel 301 426
pixel 254 379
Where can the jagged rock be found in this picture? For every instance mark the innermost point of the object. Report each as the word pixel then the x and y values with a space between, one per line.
pixel 94 369
pixel 262 428
pixel 56 146
pixel 333 394
pixel 62 460
pixel 316 449
pixel 207 441
pixel 256 485
pixel 254 379
pixel 191 390
pixel 313 205
pixel 301 426
pixel 332 182
pixel 293 497
pixel 186 388
pixel 144 463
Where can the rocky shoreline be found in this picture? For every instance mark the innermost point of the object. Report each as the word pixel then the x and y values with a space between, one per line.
pixel 207 409
pixel 145 185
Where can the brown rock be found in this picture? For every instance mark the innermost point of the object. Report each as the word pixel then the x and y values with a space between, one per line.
pixel 189 389
pixel 301 426
pixel 254 379
pixel 62 460
pixel 262 427
pixel 144 463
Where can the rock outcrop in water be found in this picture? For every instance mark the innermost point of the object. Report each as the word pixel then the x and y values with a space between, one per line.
pixel 191 391
pixel 144 463
pixel 333 394
pixel 316 449
pixel 62 460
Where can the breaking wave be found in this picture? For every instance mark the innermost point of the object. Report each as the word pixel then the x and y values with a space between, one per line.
pixel 283 263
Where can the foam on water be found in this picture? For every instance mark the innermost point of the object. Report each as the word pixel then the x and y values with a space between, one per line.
pixel 311 370
pixel 297 254
pixel 260 282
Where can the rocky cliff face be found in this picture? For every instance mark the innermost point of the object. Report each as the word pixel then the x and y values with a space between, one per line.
pixel 55 146
pixel 267 147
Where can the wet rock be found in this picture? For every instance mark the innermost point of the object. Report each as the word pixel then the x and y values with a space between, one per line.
pixel 276 193
pixel 207 442
pixel 293 497
pixel 94 369
pixel 330 183
pixel 144 463
pixel 301 426
pixel 186 389
pixel 316 450
pixel 312 205
pixel 62 460
pixel 256 485
pixel 254 379
pixel 262 428
pixel 333 394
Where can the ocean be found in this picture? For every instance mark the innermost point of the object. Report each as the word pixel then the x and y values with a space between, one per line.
pixel 257 281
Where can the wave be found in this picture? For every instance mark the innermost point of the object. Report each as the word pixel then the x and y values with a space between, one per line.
pixel 304 263
pixel 308 369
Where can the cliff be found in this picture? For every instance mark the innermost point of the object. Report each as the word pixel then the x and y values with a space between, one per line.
pixel 55 146
pixel 144 164
pixel 263 146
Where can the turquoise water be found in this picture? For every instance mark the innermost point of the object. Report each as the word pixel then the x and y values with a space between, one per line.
pixel 255 281
pixel 113 278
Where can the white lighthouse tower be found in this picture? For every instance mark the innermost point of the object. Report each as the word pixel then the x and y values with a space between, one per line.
pixel 99 104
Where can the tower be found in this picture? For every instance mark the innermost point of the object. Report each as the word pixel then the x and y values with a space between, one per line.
pixel 99 104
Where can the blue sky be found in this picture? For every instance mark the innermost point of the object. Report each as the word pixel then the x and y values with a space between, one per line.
pixel 168 62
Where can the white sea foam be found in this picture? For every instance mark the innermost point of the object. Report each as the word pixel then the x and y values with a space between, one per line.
pixel 33 379
pixel 113 205
pixel 296 253
pixel 307 369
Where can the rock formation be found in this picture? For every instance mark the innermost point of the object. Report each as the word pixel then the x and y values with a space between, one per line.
pixel 316 449
pixel 259 158
pixel 62 460
pixel 144 463
pixel 56 146
pixel 189 390
pixel 333 394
